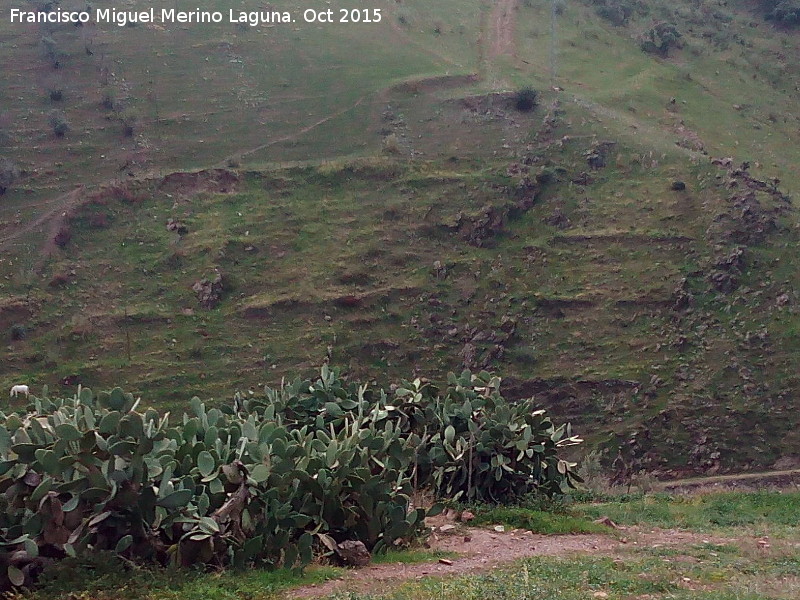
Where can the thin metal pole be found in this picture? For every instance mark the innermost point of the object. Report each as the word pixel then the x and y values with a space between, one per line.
pixel 554 42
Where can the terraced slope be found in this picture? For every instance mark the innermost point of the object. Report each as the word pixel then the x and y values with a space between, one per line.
pixel 590 251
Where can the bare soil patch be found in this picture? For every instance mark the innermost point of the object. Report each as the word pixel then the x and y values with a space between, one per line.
pixel 481 550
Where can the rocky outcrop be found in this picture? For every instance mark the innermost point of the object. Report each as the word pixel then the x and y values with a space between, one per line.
pixel 209 291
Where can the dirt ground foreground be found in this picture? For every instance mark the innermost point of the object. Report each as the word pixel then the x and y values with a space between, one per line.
pixel 480 550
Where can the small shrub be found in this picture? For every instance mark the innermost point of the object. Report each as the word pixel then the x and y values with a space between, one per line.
pixel 660 38
pixel 8 174
pixel 56 94
pixel 596 479
pixel 52 52
pixel 63 236
pixel 108 100
pixel 99 220
pixel 129 120
pixel 391 144
pixel 59 280
pixel 783 12
pixel 619 12
pixel 526 99
pixel 58 121
pixel 18 332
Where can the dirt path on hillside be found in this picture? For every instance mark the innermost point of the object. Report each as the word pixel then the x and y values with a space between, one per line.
pixel 481 550
pixel 502 23
pixel 58 207
pixel 296 134
pixel 778 478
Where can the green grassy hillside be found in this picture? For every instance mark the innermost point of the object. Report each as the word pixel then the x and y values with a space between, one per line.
pixel 372 197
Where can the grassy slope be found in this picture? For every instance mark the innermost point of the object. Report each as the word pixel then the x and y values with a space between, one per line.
pixel 591 301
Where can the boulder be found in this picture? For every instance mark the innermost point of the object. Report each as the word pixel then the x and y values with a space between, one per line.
pixel 353 553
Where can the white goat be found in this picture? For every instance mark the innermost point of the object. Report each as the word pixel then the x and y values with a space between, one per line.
pixel 20 389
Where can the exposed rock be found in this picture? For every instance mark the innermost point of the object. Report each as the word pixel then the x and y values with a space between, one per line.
pixel 683 299
pixel 209 291
pixel 722 162
pixel 678 186
pixel 480 231
pixel 607 522
pixel 353 553
pixel 723 282
pixel 596 156
pixel 595 161
pixel 177 226
pixel 212 180
pixel 733 261
pixel 747 222
pixel 558 219
pixel 468 355
pixel 583 178
pixel 508 324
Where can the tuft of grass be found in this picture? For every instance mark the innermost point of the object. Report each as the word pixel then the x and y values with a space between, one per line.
pixel 106 578
pixel 410 557
pixel 537 521
pixel 704 512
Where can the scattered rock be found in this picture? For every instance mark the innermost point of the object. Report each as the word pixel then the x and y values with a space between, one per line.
pixel 353 553
pixel 480 230
pixel 583 178
pixel 558 220
pixel 177 226
pixel 499 529
pixel 678 186
pixel 467 516
pixel 607 522
pixel 595 161
pixel 723 282
pixel 445 561
pixel 446 528
pixel 209 291
pixel 733 261
pixel 596 156
pixel 468 355
pixel 683 299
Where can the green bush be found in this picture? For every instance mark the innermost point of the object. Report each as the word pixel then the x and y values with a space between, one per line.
pixel 660 38
pixel 785 12
pixel 618 12
pixel 18 332
pixel 58 121
pixel 281 477
pixel 526 99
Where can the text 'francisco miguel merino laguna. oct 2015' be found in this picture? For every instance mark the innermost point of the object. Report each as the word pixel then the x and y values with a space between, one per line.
pixel 254 18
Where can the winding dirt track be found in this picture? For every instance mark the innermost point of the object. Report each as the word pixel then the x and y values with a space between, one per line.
pixel 487 550
pixel 51 218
